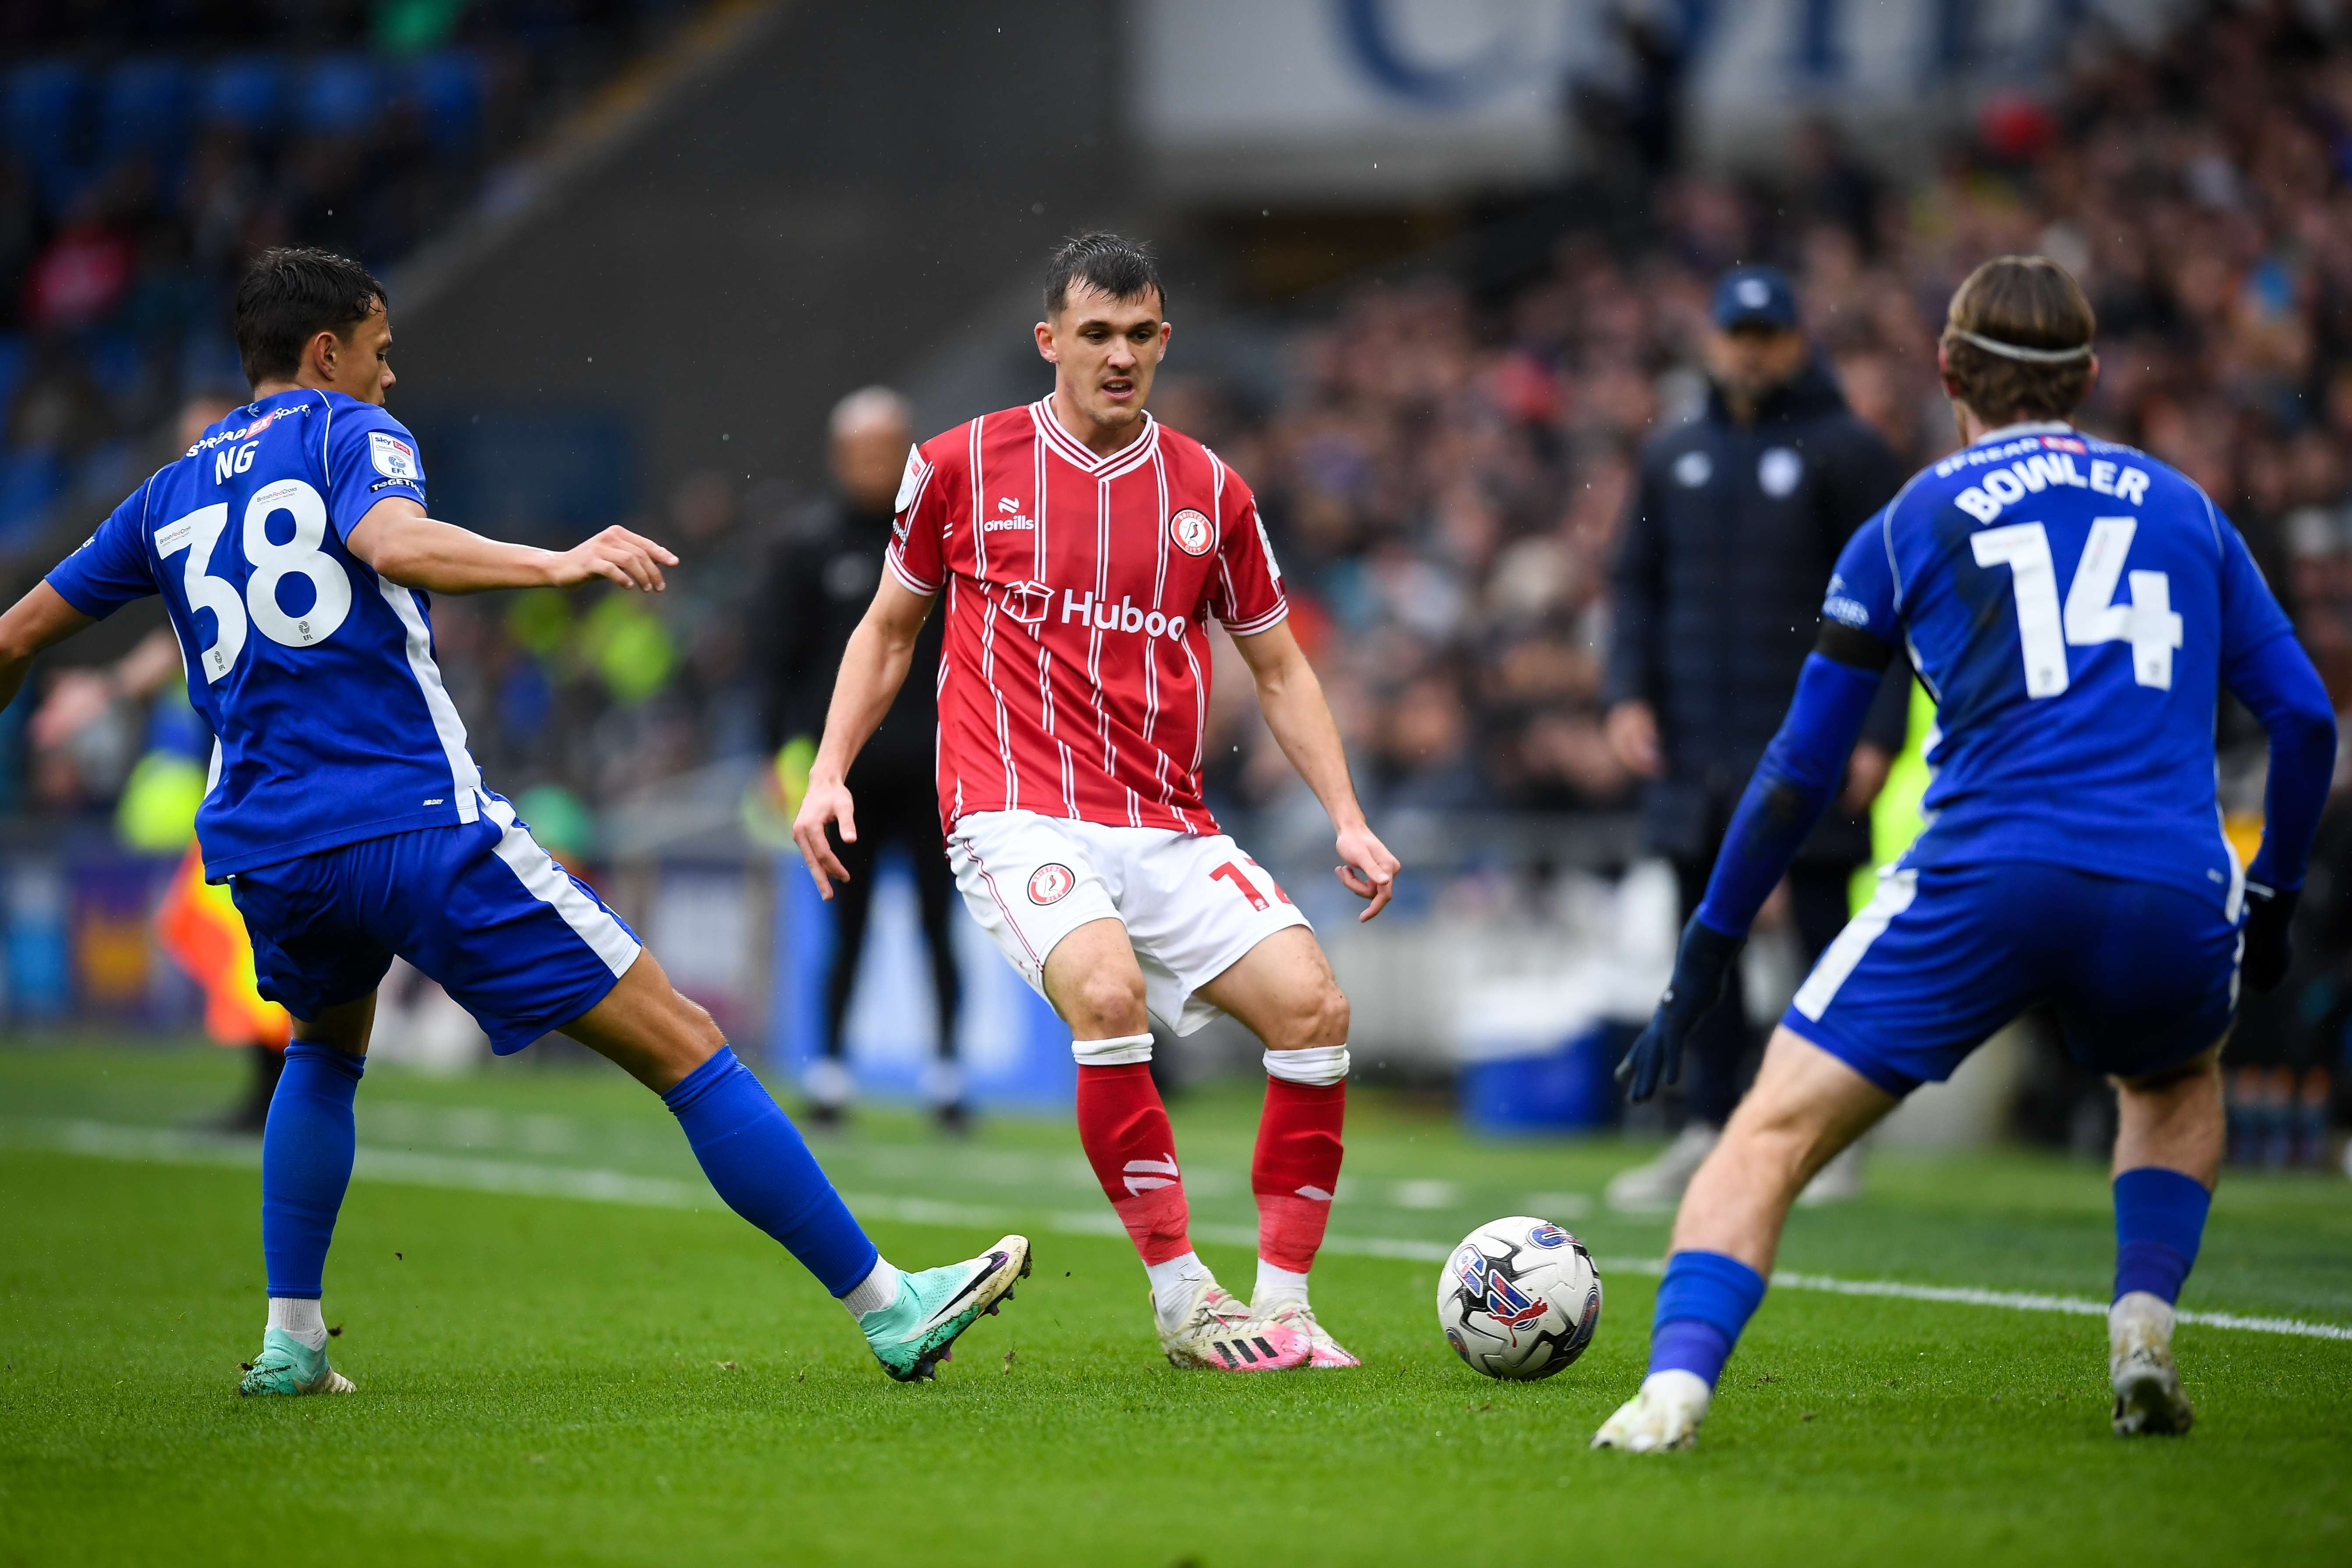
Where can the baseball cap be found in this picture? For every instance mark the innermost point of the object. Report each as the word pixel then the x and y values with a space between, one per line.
pixel 1753 297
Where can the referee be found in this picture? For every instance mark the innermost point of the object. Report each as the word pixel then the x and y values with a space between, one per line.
pixel 817 591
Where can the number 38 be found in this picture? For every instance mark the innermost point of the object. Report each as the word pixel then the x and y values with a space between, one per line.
pixel 272 563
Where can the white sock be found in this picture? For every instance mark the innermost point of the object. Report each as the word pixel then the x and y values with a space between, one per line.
pixel 1172 1284
pixel 299 1316
pixel 1276 1286
pixel 876 1291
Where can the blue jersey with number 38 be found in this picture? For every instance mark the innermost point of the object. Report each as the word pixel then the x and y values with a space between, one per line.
pixel 316 675
pixel 2074 607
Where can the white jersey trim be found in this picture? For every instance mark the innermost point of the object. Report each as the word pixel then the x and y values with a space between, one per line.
pixel 464 776
pixel 1272 618
pixel 907 579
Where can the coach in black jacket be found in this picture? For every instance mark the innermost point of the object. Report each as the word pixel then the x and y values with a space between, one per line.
pixel 1717 589
pixel 815 595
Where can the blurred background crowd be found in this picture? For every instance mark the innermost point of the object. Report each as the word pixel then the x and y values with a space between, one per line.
pixel 1444 441
pixel 150 146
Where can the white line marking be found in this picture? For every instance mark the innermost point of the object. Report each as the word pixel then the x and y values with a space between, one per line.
pixel 158 1145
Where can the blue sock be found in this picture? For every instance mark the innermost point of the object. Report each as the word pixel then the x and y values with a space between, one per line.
pixel 758 1162
pixel 306 1162
pixel 1703 1302
pixel 2159 1221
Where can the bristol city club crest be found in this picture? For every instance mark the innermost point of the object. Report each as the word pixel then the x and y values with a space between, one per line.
pixel 1191 531
pixel 1050 884
pixel 1027 602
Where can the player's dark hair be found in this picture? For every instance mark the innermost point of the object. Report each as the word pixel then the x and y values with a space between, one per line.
pixel 290 296
pixel 1121 267
pixel 2033 307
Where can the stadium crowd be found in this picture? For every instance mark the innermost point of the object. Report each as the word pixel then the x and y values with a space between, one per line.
pixel 147 147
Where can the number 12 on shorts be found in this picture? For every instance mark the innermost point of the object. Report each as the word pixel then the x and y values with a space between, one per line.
pixel 2091 615
pixel 1229 872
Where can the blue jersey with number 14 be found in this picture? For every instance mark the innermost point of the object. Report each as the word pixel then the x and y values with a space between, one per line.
pixel 316 675
pixel 2074 607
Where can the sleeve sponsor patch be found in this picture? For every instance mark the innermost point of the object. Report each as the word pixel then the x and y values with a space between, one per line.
pixel 393 458
pixel 910 481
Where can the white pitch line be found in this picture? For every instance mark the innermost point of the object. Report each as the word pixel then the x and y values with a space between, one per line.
pixel 157 1146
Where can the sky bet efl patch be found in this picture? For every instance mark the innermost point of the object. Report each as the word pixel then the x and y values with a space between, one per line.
pixel 393 458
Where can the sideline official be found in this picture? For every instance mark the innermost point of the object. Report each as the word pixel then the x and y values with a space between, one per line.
pixel 1737 522
pixel 815 596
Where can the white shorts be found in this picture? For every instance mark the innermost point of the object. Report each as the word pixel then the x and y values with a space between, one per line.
pixel 1193 904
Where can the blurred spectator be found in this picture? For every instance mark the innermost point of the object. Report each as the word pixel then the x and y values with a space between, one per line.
pixel 1736 520
pixel 814 599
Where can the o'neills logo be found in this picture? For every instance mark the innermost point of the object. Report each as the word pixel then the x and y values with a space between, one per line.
pixel 1050 883
pixel 1191 531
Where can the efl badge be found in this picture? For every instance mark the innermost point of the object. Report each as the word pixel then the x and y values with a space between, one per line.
pixel 1191 531
pixel 393 458
pixel 1028 602
pixel 1050 884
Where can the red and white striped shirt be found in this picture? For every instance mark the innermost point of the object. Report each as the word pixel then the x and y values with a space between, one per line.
pixel 1074 680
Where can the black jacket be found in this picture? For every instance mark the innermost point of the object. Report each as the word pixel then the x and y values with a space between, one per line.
pixel 817 590
pixel 1716 595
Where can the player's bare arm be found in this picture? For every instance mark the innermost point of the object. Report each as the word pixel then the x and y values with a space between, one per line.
pixel 419 552
pixel 873 667
pixel 38 620
pixel 1292 700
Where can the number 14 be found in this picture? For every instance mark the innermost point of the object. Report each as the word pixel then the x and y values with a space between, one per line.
pixel 2092 615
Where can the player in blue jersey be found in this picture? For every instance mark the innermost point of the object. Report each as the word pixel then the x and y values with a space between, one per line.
pixel 2076 609
pixel 293 553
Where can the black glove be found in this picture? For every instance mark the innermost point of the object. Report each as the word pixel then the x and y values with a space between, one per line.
pixel 1701 965
pixel 2270 946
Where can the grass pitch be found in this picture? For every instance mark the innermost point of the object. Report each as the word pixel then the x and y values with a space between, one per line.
pixel 568 1352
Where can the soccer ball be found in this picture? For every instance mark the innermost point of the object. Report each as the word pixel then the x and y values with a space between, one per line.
pixel 1519 1298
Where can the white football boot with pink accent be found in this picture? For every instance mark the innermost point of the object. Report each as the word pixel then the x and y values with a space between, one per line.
pixel 1218 1333
pixel 1323 1351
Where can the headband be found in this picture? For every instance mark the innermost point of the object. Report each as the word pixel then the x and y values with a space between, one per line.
pixel 2012 351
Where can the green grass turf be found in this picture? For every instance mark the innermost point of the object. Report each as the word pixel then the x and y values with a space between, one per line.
pixel 551 1380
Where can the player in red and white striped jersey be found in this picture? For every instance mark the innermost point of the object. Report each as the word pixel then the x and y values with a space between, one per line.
pixel 1082 548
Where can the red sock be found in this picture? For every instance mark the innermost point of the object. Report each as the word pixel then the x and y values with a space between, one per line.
pixel 1124 1128
pixel 1295 1168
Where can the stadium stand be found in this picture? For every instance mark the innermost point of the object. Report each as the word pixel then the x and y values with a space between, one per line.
pixel 146 148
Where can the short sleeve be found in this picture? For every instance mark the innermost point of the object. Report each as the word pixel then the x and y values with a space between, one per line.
pixel 917 556
pixel 2250 612
pixel 369 456
pixel 1861 588
pixel 111 568
pixel 1246 594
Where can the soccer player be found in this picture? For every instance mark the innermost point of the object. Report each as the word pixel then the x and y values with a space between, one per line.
pixel 2075 607
pixel 1082 547
pixel 293 553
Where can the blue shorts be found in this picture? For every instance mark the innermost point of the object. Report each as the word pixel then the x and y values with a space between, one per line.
pixel 521 943
pixel 2142 976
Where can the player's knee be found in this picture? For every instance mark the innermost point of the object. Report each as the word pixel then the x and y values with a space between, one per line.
pixel 687 1035
pixel 1110 1002
pixel 1317 1017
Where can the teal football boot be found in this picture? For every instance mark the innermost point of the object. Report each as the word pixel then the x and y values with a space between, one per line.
pixel 916 1333
pixel 288 1366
